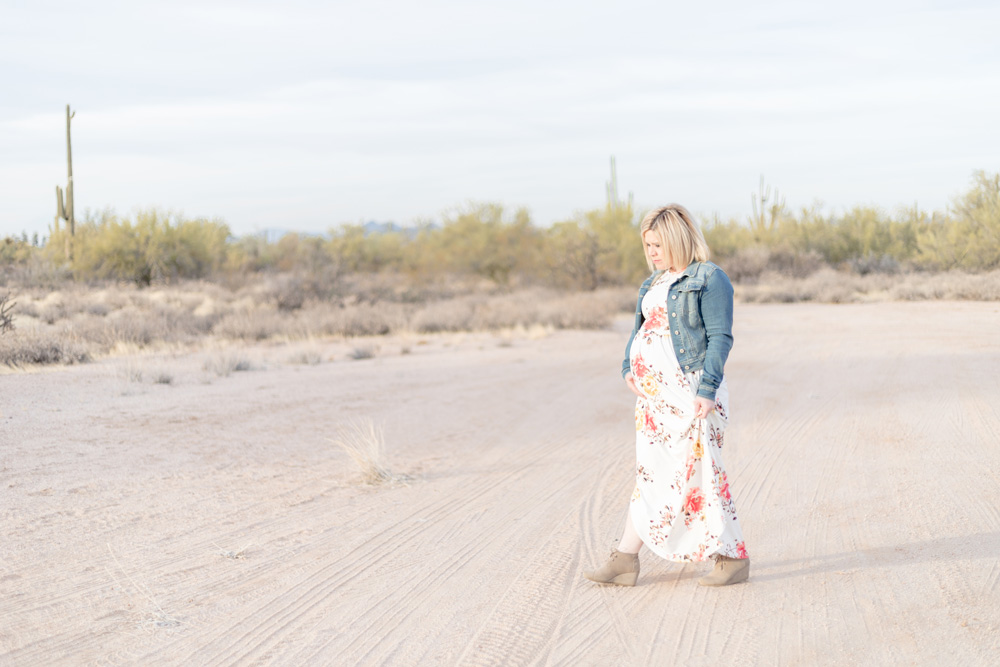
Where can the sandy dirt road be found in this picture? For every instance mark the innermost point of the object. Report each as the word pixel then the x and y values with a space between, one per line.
pixel 863 453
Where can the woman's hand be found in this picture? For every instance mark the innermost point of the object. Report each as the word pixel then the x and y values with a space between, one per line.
pixel 630 381
pixel 703 406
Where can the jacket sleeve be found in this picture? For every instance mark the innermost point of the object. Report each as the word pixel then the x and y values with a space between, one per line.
pixel 717 314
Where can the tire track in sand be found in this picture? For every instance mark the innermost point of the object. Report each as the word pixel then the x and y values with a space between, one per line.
pixel 316 587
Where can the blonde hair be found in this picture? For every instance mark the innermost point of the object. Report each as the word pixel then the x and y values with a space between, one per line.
pixel 679 236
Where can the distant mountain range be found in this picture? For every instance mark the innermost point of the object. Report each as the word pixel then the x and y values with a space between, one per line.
pixel 272 234
pixel 372 227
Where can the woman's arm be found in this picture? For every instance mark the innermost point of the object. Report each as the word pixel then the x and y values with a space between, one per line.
pixel 717 314
pixel 626 366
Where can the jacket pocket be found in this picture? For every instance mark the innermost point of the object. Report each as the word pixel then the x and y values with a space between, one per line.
pixel 689 298
pixel 692 285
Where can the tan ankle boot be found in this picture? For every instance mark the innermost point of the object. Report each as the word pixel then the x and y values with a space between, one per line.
pixel 621 569
pixel 727 571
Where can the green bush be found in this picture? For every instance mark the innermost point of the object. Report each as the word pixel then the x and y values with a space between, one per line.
pixel 970 237
pixel 484 241
pixel 155 246
pixel 487 242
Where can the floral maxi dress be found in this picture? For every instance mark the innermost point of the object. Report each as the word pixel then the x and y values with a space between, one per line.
pixel 682 507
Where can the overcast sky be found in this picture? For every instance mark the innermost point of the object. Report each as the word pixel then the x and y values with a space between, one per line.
pixel 301 115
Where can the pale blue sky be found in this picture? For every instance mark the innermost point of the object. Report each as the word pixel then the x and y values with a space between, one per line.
pixel 300 115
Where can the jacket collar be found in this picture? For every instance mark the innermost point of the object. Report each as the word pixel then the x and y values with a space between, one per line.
pixel 688 271
pixel 691 269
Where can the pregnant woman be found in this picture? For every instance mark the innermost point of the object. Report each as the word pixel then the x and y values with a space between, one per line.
pixel 682 507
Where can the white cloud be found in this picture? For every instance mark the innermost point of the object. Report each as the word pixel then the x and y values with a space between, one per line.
pixel 315 113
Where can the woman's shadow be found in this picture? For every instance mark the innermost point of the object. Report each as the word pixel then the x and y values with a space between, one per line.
pixel 938 550
pixel 980 546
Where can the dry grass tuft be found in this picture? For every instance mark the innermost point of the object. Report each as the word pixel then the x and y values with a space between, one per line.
pixel 239 554
pixel 364 442
pixel 225 364
pixel 829 286
pixel 252 325
pixel 130 370
pixel 73 322
pixel 69 323
pixel 524 308
pixel 161 376
pixel 21 348
pixel 307 357
pixel 364 352
pixel 156 617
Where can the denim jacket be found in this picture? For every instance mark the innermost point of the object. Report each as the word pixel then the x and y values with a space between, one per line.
pixel 701 318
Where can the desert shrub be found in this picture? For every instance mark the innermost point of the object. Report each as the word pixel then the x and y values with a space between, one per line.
pixel 746 265
pixel 617 231
pixel 225 363
pixel 364 352
pixel 300 253
pixel 137 325
pixel 50 313
pixel 452 315
pixel 727 238
pixel 20 348
pixel 585 310
pixel 576 258
pixel 16 255
pixel 524 308
pixel 353 250
pixel 307 357
pixel 969 238
pixel 482 240
pixel 872 263
pixel 825 286
pixel 358 319
pixel 573 256
pixel 505 311
pixel 155 246
pixel 287 292
pixel 795 264
pixel 99 309
pixel 830 286
pixel 488 242
pixel 6 313
pixel 29 309
pixel 250 324
pixel 130 326
pixel 862 231
pixel 162 376
pixel 594 248
pixel 967 285
pixel 290 291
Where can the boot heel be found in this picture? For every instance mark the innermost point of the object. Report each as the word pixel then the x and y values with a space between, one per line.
pixel 727 571
pixel 627 579
pixel 621 569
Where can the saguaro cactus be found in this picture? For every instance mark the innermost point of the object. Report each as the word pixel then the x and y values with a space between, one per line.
pixel 611 189
pixel 64 207
pixel 765 217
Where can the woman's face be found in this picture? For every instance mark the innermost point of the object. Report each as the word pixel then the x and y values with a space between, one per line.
pixel 655 251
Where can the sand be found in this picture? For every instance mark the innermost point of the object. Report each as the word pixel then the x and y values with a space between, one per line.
pixel 212 522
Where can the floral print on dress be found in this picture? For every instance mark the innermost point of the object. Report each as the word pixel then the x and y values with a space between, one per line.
pixel 682 505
